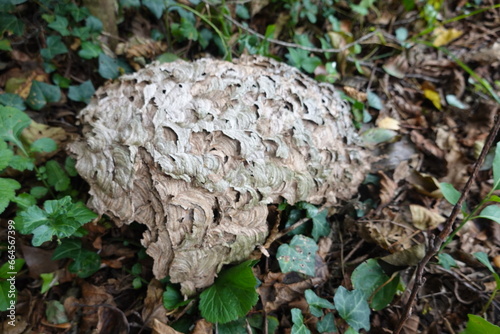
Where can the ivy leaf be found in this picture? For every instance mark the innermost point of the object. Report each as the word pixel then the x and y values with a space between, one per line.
pixel 44 145
pixel 298 322
pixel 299 256
pixel 11 23
pixel 155 6
pixel 83 33
pixel 41 94
pixel 8 189
pixel 60 25
pixel 6 155
pixel 82 93
pixel 56 176
pixel 317 304
pixel 94 24
pixel 130 3
pixel 374 101
pixel 12 100
pixel 61 81
pixel 12 122
pixel 353 308
pixel 108 67
pixel 55 47
pixel 369 277
pixel 231 296
pixel 491 212
pixel 172 298
pixel 327 324
pixel 89 50
pixel 78 13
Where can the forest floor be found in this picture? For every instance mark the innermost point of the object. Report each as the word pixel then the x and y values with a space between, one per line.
pixel 422 79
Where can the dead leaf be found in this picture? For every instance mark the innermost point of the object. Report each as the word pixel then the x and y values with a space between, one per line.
pixel 112 320
pixel 408 257
pixel 434 97
pixel 202 327
pixel 388 123
pixel 425 184
pixel 20 325
pixel 355 94
pixel 425 219
pixel 153 304
pixel 38 260
pixel 445 36
pixel 161 328
pixel 390 231
pixel 387 188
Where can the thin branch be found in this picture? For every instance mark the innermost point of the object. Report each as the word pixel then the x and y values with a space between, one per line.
pixel 298 46
pixel 436 242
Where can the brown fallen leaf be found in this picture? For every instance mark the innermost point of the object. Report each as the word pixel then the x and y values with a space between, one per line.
pixel 161 328
pixel 425 219
pixel 387 188
pixel 426 145
pixel 112 320
pixel 425 184
pixel 407 257
pixel 202 327
pixel 153 304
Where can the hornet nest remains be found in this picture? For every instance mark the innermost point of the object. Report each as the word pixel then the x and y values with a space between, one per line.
pixel 197 150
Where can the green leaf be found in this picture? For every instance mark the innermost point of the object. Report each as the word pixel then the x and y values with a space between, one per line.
pixel 47 281
pixel 41 94
pixel 12 100
pixel 83 33
pixel 317 304
pixel 61 81
pixel 353 308
pixel 38 192
pixel 376 136
pixel 21 163
pixel 299 256
pixel 8 297
pixel 242 12
pixel 55 47
pixel 44 145
pixel 5 45
pixel 94 24
pixel 12 122
pixel 172 298
pixel 327 324
pixel 8 268
pixel 85 262
pixel 491 212
pixel 321 226
pixel 82 93
pixel 56 176
pixel 55 312
pixel 130 3
pixel 446 260
pixel 89 50
pixel 11 23
pixel 108 67
pixel 231 296
pixel 8 189
pixel 60 25
pixel 155 6
pixel 256 321
pixel 298 322
pixel 483 258
pixel 453 101
pixel 374 101
pixel 496 168
pixel 79 13
pixel 69 166
pixel 477 325
pixel 24 200
pixel 6 155
pixel 369 277
pixel 451 194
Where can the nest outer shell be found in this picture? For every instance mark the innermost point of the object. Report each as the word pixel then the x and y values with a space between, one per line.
pixel 197 150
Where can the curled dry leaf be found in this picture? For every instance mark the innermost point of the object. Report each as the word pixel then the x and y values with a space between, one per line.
pixel 387 188
pixel 196 151
pixel 425 219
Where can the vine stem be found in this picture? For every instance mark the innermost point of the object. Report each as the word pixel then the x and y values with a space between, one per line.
pixel 435 242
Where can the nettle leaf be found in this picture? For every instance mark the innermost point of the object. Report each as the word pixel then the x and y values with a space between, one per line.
pixel 298 322
pixel 8 189
pixel 12 100
pixel 108 67
pixel 317 304
pixel 231 296
pixel 56 176
pixel 353 308
pixel 369 277
pixel 6 155
pixel 11 23
pixel 491 212
pixel 41 94
pixel 60 218
pixel 298 256
pixel 155 6
pixel 89 50
pixel 327 324
pixel 12 122
pixel 55 47
pixel 44 145
pixel 82 93
pixel 60 25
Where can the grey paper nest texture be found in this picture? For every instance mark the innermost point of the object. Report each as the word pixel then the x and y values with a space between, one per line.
pixel 197 150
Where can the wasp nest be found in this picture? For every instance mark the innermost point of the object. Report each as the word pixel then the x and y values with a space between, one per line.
pixel 197 150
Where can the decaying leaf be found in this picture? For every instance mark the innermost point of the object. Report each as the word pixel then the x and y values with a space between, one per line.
pixel 425 219
pixel 196 151
pixel 407 257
